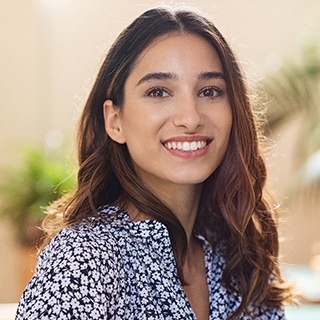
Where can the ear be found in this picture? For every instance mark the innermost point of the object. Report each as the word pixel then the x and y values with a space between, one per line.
pixel 112 122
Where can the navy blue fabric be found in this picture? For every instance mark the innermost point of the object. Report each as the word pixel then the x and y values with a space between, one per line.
pixel 111 268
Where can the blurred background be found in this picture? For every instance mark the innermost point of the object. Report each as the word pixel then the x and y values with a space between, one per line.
pixel 50 53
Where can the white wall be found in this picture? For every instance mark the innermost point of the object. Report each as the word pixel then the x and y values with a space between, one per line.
pixel 51 49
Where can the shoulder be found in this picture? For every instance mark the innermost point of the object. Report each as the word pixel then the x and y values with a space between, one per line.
pixel 94 238
pixel 80 269
pixel 264 312
pixel 227 299
pixel 92 231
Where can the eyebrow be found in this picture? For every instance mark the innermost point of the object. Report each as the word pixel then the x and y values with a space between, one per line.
pixel 157 76
pixel 171 76
pixel 211 75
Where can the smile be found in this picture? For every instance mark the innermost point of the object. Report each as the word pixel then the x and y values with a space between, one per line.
pixel 185 145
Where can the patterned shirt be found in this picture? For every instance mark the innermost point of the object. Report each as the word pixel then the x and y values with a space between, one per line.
pixel 112 268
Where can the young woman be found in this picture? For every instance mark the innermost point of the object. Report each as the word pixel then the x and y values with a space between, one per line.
pixel 169 219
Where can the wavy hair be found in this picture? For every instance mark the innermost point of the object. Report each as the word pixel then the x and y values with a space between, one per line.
pixel 233 207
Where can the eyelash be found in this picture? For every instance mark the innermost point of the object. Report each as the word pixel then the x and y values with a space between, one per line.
pixel 218 92
pixel 151 92
pixel 155 91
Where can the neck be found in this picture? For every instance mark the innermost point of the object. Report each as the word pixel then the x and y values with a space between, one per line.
pixel 183 201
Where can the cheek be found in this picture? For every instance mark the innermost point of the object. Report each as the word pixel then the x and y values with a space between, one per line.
pixel 139 136
pixel 131 124
pixel 143 125
pixel 223 132
pixel 223 122
pixel 228 126
pixel 227 119
pixel 227 129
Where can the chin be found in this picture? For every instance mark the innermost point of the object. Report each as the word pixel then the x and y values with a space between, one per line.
pixel 190 180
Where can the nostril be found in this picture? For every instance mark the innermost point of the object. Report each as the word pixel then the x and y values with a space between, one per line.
pixel 190 119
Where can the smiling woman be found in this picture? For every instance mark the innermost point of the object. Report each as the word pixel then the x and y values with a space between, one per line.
pixel 169 219
pixel 173 103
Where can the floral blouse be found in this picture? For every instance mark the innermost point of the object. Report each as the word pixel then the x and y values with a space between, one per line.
pixel 112 268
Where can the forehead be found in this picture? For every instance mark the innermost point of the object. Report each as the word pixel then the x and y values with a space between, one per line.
pixel 171 51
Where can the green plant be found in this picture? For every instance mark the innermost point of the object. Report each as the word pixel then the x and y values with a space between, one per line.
pixel 40 177
pixel 294 92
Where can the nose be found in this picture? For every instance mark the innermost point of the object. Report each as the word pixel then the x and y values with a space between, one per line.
pixel 187 114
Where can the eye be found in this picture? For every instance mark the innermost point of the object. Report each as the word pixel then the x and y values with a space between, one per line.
pixel 211 92
pixel 157 92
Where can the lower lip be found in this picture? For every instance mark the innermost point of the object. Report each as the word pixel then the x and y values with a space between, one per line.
pixel 189 154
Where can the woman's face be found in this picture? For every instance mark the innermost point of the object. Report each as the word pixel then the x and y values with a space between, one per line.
pixel 176 117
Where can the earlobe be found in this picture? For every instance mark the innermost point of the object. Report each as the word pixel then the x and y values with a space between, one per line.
pixel 112 122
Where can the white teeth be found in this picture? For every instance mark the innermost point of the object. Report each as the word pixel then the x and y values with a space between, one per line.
pixel 193 145
pixel 186 146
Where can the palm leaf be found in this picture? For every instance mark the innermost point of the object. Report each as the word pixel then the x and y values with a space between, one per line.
pixel 294 92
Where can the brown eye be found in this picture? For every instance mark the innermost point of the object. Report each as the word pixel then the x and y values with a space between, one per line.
pixel 157 93
pixel 210 92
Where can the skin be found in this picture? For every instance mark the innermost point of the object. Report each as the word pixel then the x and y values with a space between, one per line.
pixel 176 97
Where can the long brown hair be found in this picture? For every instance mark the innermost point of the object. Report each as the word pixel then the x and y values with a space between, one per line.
pixel 232 209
